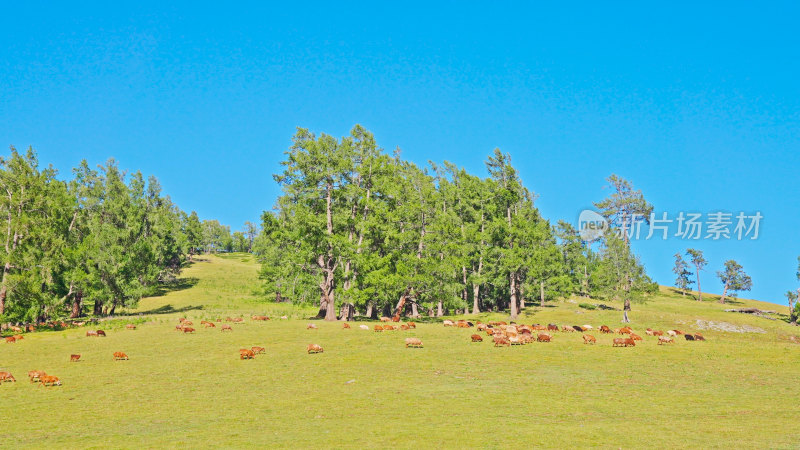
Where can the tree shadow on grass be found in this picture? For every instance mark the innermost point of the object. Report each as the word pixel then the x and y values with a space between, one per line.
pixel 165 309
pixel 174 286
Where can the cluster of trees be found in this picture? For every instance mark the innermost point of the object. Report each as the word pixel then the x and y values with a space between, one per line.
pixel 100 240
pixel 360 228
pixel 792 296
pixel 733 277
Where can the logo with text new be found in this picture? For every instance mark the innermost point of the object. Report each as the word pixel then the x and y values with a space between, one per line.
pixel 591 225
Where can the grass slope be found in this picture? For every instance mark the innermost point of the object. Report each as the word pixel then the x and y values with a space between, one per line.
pixel 366 389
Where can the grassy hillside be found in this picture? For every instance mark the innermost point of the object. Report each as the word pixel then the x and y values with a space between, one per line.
pixel 367 390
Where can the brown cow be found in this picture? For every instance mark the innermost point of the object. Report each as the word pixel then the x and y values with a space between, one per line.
pixel 625 330
pixel 552 327
pixel 258 350
pixel 412 325
pixel 624 342
pixel 101 333
pixel 91 333
pixel 74 358
pixel 500 341
pixel 311 326
pixel 48 380
pixel 378 328
pixel 34 375
pixel 188 323
pixel 119 356
pixel 405 327
pixel 543 337
pixel 246 354
pixel 665 340
pixel 385 319
pixel 130 326
pixel 237 320
pixel 19 337
pixel 11 340
pixel 658 333
pixel 649 332
pixel 589 339
pixel 224 327
pixel 567 328
pixel 188 330
pixel 314 348
pixel 345 325
pixel 476 338
pixel 262 318
pixel 413 342
pixel 448 323
pixel 6 376
pixel 210 325
pixel 699 337
pixel 636 337
pixel 605 329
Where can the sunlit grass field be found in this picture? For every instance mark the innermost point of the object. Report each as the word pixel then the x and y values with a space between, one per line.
pixel 367 390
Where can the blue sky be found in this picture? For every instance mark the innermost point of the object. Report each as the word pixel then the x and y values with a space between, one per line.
pixel 699 106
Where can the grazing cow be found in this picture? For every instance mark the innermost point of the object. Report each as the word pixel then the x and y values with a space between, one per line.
pixel 284 317
pixel 94 333
pixel 345 325
pixel 649 332
pixel 605 329
pixel 587 327
pixel 188 323
pixel 101 333
pixel 74 358
pixel 543 337
pixel 224 327
pixel 390 327
pixel 578 328
pixel 262 318
pixel 257 350
pixel 672 333
pixel 552 327
pixel 500 341
pixel 396 318
pixel 688 337
pixel 34 375
pixel 18 337
pixel 412 325
pixel 514 340
pixel 378 328
pixel 48 380
pixel 539 327
pixel 228 319
pixel 636 337
pixel 448 323
pixel 210 325
pixel 462 324
pixel 625 330
pixel 30 328
pixel 11 340
pixel 188 330
pixel 589 339
pixel 665 340
pixel 525 338
pixel 385 319
pixel 238 320
pixel 658 333
pixel 624 342
pixel 413 342
pixel 567 328
pixel 490 331
pixel 311 326
pixel 677 332
pixel 364 327
pixel 314 348
pixel 698 337
pixel 119 356
pixel 16 328
pixel 481 326
pixel 476 338
pixel 130 326
pixel 404 327
pixel 182 319
pixel 6 376
pixel 246 354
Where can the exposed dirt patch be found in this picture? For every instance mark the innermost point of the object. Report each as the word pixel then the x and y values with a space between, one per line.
pixel 725 326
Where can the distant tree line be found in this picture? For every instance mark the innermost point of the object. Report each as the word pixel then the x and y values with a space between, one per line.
pixel 356 227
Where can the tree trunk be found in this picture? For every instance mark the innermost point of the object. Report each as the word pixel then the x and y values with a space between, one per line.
pixel 77 308
pixel 724 294
pixel 346 312
pixel 699 292
pixel 370 309
pixel 541 293
pixel 98 308
pixel 414 310
pixel 439 310
pixel 476 290
pixel 4 288
pixel 513 289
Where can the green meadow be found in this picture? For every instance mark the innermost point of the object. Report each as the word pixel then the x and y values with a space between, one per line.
pixel 736 390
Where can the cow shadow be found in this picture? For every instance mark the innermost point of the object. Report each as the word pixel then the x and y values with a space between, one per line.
pixel 179 284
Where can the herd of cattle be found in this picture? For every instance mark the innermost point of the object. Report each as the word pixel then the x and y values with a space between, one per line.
pixel 508 334
pixel 503 335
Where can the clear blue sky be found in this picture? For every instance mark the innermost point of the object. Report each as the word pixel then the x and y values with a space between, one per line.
pixel 698 105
